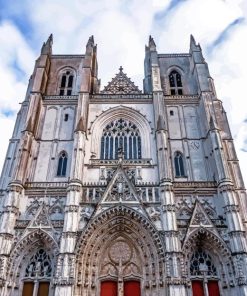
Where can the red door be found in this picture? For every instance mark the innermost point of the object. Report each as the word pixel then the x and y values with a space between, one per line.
pixel 108 288
pixel 197 288
pixel 213 288
pixel 132 288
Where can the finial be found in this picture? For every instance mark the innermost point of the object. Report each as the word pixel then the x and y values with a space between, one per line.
pixel 192 39
pixel 121 69
pixel 50 39
pixel 47 46
pixel 151 44
pixel 193 45
pixel 90 41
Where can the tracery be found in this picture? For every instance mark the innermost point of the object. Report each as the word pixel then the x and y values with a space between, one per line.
pixel 123 134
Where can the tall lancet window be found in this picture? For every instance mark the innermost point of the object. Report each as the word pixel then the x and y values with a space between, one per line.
pixel 62 164
pixel 123 134
pixel 179 165
pixel 203 274
pixel 66 83
pixel 38 274
pixel 176 86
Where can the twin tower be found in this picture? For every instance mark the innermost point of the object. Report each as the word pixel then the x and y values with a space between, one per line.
pixel 122 192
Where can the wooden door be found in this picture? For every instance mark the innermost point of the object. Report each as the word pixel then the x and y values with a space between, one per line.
pixel 43 289
pixel 132 288
pixel 213 288
pixel 197 288
pixel 108 288
pixel 28 289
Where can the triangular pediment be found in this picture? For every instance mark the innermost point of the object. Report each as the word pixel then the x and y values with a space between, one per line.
pixel 121 84
pixel 200 219
pixel 120 189
pixel 41 218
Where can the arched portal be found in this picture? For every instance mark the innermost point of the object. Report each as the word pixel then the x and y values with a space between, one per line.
pixel 208 260
pixel 120 248
pixel 31 265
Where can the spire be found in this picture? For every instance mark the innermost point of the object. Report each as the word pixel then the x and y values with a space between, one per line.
pixel 193 45
pixel 192 40
pixel 151 44
pixel 90 42
pixel 47 46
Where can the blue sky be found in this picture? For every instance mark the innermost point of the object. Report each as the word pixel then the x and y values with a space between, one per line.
pixel 121 29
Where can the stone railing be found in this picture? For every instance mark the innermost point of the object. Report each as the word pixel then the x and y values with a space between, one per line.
pixel 45 185
pixel 198 184
pixel 182 97
pixel 102 96
pixel 61 97
pixel 125 162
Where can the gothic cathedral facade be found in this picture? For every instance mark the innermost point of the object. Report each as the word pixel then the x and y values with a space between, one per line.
pixel 122 192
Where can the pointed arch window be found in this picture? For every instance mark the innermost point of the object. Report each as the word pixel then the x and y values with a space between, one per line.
pixel 66 83
pixel 179 165
pixel 203 274
pixel 62 164
pixel 175 81
pixel 123 134
pixel 38 275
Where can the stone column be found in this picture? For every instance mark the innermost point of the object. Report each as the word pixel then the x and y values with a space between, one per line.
pixel 176 284
pixel 7 224
pixel 236 231
pixel 65 273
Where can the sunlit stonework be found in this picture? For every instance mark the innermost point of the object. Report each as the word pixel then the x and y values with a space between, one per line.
pixel 122 192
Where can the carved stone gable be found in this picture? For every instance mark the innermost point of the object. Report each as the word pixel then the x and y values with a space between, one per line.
pixel 41 219
pixel 120 189
pixel 121 84
pixel 200 217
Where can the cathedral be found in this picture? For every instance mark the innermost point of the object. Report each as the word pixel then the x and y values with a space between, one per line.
pixel 118 191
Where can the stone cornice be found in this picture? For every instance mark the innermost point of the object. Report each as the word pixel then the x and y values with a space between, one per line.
pixel 121 97
pixel 125 163
pixel 173 55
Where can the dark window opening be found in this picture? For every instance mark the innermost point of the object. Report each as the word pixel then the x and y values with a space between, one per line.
pixel 179 165
pixel 171 112
pixel 62 165
pixel 66 117
pixel 66 84
pixel 175 83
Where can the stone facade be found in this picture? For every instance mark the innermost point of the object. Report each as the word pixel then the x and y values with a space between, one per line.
pixel 121 186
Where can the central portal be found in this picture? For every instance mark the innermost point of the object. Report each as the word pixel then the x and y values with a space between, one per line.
pixel 110 288
pixel 120 255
